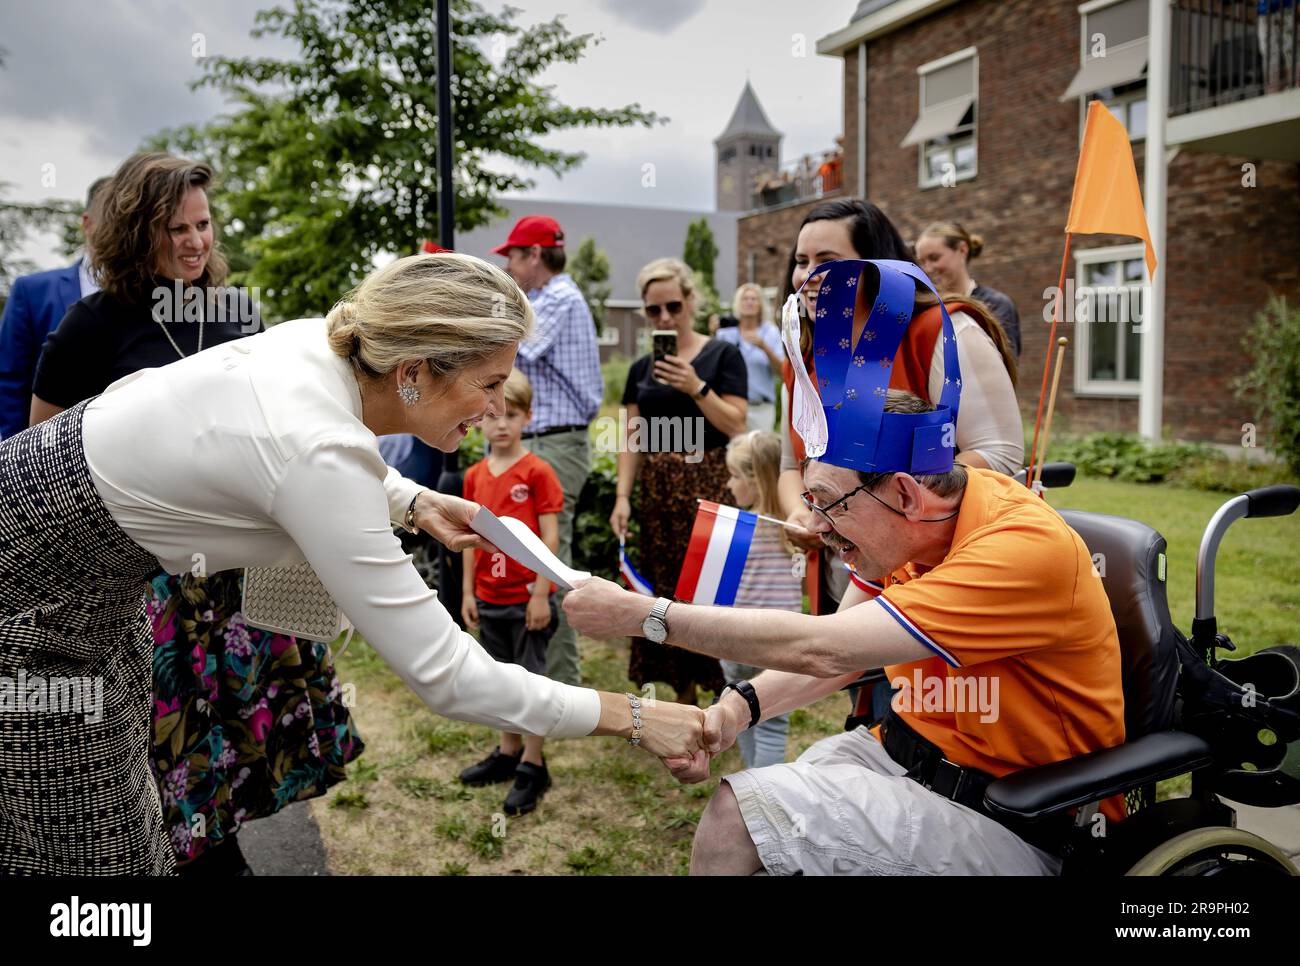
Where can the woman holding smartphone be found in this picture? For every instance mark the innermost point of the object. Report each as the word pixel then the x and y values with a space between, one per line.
pixel 682 406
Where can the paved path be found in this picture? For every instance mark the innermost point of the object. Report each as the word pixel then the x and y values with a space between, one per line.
pixel 1281 826
pixel 287 843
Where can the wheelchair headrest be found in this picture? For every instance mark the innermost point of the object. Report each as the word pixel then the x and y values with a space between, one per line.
pixel 1130 557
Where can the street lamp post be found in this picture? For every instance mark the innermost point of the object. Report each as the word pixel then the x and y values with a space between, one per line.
pixel 446 128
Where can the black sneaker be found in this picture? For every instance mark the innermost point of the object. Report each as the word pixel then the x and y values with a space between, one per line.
pixel 493 769
pixel 531 782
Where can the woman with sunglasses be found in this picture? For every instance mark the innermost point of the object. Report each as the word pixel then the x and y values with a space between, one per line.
pixel 681 412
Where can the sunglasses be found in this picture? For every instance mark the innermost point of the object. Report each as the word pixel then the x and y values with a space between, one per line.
pixel 654 311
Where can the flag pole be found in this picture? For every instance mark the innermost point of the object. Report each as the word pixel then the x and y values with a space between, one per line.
pixel 1033 465
pixel 1051 408
pixel 779 523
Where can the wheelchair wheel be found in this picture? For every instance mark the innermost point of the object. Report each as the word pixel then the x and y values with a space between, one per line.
pixel 1217 851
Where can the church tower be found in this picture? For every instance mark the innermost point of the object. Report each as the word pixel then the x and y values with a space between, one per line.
pixel 747 148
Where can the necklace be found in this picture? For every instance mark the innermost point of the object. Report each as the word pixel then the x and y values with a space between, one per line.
pixel 173 341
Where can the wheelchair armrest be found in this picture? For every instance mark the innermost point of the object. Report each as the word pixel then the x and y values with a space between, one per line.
pixel 1037 793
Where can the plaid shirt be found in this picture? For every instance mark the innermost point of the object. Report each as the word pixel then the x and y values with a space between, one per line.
pixel 560 358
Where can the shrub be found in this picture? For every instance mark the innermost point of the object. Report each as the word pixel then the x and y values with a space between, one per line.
pixel 1228 475
pixel 615 370
pixel 1273 382
pixel 472 448
pixel 1126 457
pixel 1123 456
pixel 595 548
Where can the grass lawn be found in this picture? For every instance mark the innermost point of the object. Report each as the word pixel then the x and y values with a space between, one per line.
pixel 1257 576
pixel 614 809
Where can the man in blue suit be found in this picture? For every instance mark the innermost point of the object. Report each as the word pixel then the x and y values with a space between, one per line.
pixel 35 307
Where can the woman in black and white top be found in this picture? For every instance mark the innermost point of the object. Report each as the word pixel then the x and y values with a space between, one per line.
pixel 273 460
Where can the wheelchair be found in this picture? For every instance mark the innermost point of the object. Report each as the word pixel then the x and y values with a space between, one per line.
pixel 1233 725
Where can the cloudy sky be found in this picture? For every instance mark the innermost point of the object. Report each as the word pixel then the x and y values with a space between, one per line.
pixel 86 81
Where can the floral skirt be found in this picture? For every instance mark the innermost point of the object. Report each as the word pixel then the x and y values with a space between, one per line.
pixel 245 721
pixel 670 489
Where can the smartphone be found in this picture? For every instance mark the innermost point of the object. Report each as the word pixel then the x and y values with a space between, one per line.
pixel 664 343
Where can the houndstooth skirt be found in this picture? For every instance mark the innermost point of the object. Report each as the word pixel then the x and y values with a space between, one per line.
pixel 77 796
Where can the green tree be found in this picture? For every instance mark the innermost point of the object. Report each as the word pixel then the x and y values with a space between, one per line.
pixel 19 219
pixel 329 157
pixel 589 268
pixel 707 302
pixel 701 250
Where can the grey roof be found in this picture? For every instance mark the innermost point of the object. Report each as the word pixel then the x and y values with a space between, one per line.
pixel 629 235
pixel 869 6
pixel 748 119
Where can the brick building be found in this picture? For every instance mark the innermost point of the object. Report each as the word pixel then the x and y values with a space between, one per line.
pixel 972 111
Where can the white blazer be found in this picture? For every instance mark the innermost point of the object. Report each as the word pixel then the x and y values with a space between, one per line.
pixel 253 453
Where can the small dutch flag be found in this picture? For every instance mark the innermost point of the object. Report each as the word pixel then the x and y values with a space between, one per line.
pixel 634 580
pixel 716 554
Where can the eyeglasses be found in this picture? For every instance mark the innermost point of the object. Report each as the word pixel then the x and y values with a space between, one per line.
pixel 654 311
pixel 843 501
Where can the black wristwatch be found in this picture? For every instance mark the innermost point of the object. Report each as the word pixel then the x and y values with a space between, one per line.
pixel 746 691
pixel 702 391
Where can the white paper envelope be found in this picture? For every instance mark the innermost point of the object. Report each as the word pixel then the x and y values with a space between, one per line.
pixel 513 538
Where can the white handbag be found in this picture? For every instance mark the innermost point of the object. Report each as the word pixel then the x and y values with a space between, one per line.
pixel 292 600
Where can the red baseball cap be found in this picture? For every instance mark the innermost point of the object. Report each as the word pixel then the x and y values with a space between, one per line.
pixel 431 249
pixel 533 230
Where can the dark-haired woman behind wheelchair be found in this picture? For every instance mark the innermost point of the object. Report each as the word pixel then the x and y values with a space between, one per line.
pixel 1234 725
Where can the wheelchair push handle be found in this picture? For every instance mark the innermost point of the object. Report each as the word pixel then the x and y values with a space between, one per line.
pixel 1055 475
pixel 1267 501
pixel 1279 500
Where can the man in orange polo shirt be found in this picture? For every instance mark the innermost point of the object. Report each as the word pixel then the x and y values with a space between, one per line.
pixel 993 625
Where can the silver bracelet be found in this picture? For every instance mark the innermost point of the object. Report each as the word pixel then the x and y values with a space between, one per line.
pixel 636 719
pixel 409 520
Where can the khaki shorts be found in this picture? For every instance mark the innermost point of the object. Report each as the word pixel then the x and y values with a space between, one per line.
pixel 845 808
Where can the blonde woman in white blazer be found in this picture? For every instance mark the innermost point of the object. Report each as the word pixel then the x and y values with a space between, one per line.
pixel 272 460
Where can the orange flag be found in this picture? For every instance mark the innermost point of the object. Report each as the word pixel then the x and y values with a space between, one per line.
pixel 1107 198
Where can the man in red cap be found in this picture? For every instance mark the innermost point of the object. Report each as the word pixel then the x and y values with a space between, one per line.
pixel 562 362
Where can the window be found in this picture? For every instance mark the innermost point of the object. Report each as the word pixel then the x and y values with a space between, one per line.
pixel 1113 59
pixel 1108 307
pixel 726 154
pixel 945 128
pixel 1128 103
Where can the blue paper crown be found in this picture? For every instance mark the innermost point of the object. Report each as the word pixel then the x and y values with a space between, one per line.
pixel 852 381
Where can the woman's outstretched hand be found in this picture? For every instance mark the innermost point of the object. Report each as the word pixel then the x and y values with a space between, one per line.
pixel 668 729
pixel 671 730
pixel 447 519
pixel 722 722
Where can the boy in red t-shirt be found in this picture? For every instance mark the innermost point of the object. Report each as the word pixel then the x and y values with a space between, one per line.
pixel 513 611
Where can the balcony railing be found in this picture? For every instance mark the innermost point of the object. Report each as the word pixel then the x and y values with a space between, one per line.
pixel 1226 51
pixel 811 176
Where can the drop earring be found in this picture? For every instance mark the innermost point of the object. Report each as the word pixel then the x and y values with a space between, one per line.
pixel 410 395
